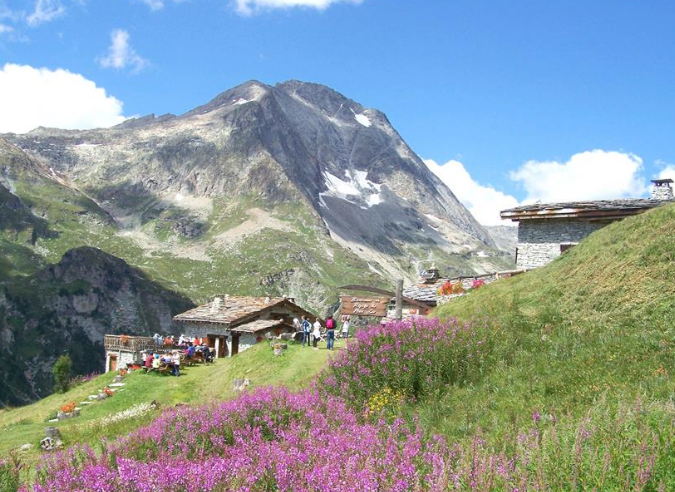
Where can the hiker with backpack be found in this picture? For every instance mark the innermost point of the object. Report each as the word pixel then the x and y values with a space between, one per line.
pixel 330 332
pixel 306 329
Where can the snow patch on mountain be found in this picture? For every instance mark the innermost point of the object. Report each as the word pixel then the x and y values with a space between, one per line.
pixel 362 119
pixel 340 188
pixel 356 188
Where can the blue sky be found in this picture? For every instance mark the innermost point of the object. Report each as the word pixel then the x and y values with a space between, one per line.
pixel 516 96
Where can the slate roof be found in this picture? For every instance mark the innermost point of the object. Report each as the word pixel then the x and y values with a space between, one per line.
pixel 258 325
pixel 595 208
pixel 426 293
pixel 230 310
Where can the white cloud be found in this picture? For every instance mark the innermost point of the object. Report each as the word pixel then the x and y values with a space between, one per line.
pixel 592 175
pixel 121 54
pixel 249 7
pixel 5 29
pixel 484 202
pixel 32 97
pixel 154 4
pixel 668 172
pixel 45 11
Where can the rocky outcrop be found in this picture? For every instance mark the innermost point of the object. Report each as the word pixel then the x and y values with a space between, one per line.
pixel 68 307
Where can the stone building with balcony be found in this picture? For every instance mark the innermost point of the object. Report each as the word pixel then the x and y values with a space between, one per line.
pixel 124 350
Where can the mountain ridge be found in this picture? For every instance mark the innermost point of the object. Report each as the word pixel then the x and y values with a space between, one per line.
pixel 290 189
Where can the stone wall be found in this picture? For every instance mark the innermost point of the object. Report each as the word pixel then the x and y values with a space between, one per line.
pixel 539 241
pixel 246 341
pixel 662 192
pixel 124 358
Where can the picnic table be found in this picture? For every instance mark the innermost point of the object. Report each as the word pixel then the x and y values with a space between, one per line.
pixel 164 368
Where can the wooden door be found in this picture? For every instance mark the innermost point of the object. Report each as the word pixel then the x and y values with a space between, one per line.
pixel 113 363
pixel 235 344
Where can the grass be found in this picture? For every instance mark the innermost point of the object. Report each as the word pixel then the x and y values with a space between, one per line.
pixel 594 325
pixel 296 368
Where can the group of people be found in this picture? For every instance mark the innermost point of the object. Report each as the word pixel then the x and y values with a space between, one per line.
pixel 313 333
pixel 153 360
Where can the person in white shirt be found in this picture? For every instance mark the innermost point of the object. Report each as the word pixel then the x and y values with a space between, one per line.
pixel 345 329
pixel 316 334
pixel 175 361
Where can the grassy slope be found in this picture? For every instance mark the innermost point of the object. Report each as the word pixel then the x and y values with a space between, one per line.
pixel 594 325
pixel 199 384
pixel 74 221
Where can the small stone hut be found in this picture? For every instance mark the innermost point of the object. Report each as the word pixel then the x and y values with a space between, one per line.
pixel 123 350
pixel 232 324
pixel 428 286
pixel 547 230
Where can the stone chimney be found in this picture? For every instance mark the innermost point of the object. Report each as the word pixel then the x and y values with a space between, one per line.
pixel 430 276
pixel 215 305
pixel 662 189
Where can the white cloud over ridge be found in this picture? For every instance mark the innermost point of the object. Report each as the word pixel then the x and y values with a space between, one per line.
pixel 45 11
pixel 32 97
pixel 121 54
pixel 484 202
pixel 667 172
pixel 250 7
pixel 591 175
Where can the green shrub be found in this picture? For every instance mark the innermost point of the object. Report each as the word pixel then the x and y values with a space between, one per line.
pixel 61 371
pixel 10 474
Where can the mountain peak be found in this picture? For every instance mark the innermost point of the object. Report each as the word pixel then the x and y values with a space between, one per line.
pixel 250 91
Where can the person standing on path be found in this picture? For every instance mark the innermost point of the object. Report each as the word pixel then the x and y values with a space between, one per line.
pixel 317 332
pixel 345 329
pixel 306 328
pixel 330 332
pixel 175 361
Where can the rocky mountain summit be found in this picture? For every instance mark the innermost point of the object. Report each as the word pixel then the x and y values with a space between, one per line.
pixel 293 143
pixel 290 189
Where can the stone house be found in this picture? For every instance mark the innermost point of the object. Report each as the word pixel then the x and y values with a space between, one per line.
pixel 427 288
pixel 547 230
pixel 123 350
pixel 232 324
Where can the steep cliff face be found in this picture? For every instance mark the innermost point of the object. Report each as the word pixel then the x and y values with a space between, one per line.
pixel 68 307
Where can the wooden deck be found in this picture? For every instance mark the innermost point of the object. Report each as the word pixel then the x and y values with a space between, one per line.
pixel 128 343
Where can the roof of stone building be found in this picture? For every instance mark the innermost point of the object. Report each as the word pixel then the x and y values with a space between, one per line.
pixel 230 310
pixel 587 209
pixel 258 325
pixel 423 292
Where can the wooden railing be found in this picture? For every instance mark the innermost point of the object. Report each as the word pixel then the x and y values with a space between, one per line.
pixel 128 343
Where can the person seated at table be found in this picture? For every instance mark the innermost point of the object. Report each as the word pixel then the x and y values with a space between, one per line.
pixel 175 360
pixel 208 354
pixel 148 360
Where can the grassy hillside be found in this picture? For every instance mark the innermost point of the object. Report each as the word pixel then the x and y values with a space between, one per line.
pixel 560 379
pixel 197 385
pixel 596 325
